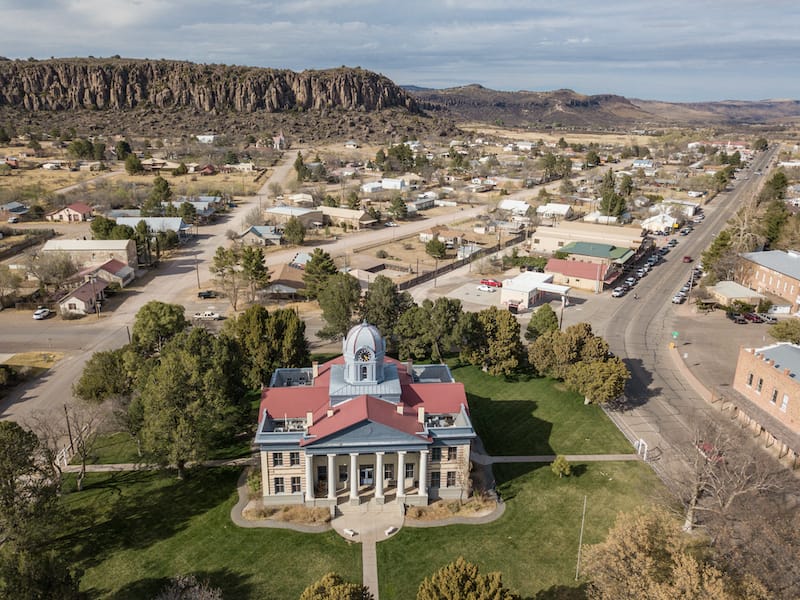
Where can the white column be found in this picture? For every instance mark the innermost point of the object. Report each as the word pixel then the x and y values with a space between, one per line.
pixel 379 475
pixel 401 474
pixel 331 477
pixel 354 476
pixel 423 473
pixel 309 478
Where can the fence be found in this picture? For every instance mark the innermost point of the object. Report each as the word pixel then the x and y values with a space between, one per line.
pixel 429 275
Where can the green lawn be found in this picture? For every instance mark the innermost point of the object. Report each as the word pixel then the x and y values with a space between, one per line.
pixel 537 416
pixel 120 447
pixel 130 532
pixel 534 545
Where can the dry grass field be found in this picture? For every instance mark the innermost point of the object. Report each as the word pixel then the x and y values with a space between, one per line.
pixel 571 137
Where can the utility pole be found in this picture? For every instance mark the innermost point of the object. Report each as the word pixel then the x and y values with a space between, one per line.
pixel 197 268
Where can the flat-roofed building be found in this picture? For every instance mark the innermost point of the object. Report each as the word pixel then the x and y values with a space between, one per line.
pixel 552 239
pixel 95 252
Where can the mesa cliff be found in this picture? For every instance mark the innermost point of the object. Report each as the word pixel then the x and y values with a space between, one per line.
pixel 124 84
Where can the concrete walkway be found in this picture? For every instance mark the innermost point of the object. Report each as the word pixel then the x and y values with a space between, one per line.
pixel 484 459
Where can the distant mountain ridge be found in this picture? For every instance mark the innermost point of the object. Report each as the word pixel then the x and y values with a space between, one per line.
pixel 475 103
pixel 123 84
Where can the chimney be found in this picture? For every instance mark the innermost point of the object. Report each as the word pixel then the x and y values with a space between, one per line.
pixel 315 369
pixel 410 366
pixel 330 412
pixel 309 419
pixel 771 362
pixel 399 409
pixel 421 414
pixel 787 371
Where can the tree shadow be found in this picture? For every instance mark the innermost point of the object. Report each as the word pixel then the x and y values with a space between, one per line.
pixel 637 390
pixel 135 509
pixel 507 476
pixel 508 427
pixel 562 592
pixel 232 585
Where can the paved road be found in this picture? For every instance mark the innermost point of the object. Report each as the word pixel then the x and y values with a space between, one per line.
pixel 175 281
pixel 662 408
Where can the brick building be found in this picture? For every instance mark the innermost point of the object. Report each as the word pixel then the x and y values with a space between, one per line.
pixel 766 378
pixel 772 272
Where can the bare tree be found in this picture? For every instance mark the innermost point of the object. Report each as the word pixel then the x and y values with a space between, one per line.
pixel 51 268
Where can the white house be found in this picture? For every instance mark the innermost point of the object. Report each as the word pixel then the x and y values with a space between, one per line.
pixel 206 138
pixel 517 207
pixel 660 222
pixel 388 183
pixel 371 187
pixel 554 210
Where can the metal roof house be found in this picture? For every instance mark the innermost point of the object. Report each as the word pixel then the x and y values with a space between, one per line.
pixel 364 426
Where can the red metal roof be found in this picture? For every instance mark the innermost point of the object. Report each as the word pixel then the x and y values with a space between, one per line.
pixel 80 207
pixel 361 409
pixel 576 268
pixel 113 266
pixel 297 401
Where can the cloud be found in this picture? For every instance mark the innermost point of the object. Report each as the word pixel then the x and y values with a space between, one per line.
pixel 699 48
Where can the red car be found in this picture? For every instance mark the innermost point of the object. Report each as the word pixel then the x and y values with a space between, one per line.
pixel 491 283
pixel 687 259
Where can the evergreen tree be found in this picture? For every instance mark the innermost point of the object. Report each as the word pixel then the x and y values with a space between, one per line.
pixel 338 300
pixel 317 271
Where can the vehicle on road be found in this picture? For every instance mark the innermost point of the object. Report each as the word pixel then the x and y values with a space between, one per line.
pixel 678 299
pixel 769 319
pixel 687 259
pixel 206 294
pixel 672 243
pixel 42 313
pixel 631 281
pixel 618 292
pixel 13 219
pixel 486 288
pixel 390 224
pixel 491 282
pixel 207 315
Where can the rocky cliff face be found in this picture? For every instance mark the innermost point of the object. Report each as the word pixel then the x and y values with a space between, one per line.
pixel 120 84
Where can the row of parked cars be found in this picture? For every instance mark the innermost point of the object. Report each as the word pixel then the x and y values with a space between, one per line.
pixel 694 277
pixel 642 271
pixel 751 317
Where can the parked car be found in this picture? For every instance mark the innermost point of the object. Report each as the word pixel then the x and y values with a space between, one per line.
pixel 491 282
pixel 737 318
pixel 13 219
pixel 687 259
pixel 769 319
pixel 678 299
pixel 672 243
pixel 207 315
pixel 631 281
pixel 486 288
pixel 206 294
pixel 42 313
pixel 390 224
pixel 618 292
pixel 710 452
pixel 753 317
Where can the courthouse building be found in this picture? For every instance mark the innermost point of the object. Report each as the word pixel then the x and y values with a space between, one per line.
pixel 364 426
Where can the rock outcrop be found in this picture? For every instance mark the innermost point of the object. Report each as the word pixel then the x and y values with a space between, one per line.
pixel 123 84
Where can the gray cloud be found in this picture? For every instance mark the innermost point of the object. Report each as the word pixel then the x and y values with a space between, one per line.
pixel 673 51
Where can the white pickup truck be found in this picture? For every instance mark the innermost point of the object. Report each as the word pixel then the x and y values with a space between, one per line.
pixel 207 315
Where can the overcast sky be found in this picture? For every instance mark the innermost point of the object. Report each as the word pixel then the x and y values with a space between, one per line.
pixel 673 50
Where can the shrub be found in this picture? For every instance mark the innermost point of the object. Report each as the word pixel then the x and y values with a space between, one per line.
pixel 382 254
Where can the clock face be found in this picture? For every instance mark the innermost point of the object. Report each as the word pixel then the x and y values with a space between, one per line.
pixel 364 355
